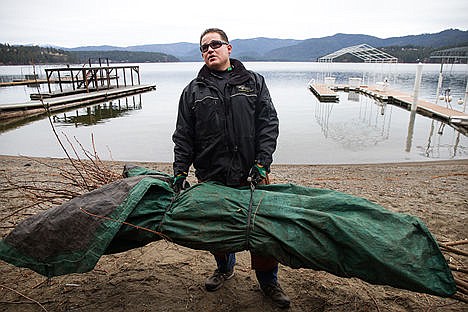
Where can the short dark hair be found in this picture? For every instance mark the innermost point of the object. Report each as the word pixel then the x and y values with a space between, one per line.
pixel 214 30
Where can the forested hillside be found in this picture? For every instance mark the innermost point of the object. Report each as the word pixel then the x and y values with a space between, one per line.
pixel 29 55
pixel 123 56
pixel 411 54
pixel 23 55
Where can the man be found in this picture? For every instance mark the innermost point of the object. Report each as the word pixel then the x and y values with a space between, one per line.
pixel 227 128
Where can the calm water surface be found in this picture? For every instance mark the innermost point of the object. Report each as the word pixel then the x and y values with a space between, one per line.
pixel 355 130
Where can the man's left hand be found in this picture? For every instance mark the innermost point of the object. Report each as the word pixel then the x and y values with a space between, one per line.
pixel 257 174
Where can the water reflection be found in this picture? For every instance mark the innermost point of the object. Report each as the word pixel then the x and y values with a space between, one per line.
pixel 409 137
pixel 436 148
pixel 359 123
pixel 95 114
pixel 353 96
pixel 84 116
pixel 355 128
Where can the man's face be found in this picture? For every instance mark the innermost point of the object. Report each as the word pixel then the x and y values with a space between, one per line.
pixel 216 59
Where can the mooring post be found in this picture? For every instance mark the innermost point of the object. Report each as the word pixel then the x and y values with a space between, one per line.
pixel 439 82
pixel 60 80
pixel 108 78
pixel 72 79
pixel 48 74
pixel 85 79
pixel 466 97
pixel 100 73
pixel 116 76
pixel 417 85
pixel 96 81
pixel 414 106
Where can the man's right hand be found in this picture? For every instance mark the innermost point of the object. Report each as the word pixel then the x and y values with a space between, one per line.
pixel 180 183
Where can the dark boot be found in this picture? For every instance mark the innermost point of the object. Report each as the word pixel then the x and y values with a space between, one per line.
pixel 276 294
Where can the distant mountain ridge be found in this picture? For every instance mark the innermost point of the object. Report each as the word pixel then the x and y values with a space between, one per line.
pixel 254 48
pixel 273 49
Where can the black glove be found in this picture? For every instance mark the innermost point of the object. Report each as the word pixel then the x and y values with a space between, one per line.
pixel 256 174
pixel 180 183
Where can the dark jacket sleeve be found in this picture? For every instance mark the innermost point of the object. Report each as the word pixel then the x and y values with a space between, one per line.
pixel 183 136
pixel 266 125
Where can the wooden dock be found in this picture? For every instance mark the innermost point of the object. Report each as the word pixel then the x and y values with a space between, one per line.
pixel 323 92
pixel 402 99
pixel 457 119
pixel 86 85
pixel 24 82
pixel 15 111
pixel 34 82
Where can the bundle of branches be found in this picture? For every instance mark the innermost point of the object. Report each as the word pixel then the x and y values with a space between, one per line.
pixel 73 177
pixel 456 258
pixel 91 173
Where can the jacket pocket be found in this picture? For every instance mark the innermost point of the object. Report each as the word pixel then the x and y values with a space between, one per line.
pixel 206 111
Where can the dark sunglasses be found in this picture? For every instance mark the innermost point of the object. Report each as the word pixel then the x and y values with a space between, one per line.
pixel 214 44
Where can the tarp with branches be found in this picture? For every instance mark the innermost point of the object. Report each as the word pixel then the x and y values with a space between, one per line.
pixel 301 227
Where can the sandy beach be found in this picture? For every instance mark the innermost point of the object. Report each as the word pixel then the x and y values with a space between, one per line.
pixel 165 277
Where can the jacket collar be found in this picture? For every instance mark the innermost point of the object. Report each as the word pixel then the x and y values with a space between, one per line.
pixel 238 75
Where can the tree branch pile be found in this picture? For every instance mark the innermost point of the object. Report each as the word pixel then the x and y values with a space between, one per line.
pixel 455 253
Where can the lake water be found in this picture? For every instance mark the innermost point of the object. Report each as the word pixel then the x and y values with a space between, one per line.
pixel 355 130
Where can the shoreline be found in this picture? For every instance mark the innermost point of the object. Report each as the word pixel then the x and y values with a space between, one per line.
pixel 404 163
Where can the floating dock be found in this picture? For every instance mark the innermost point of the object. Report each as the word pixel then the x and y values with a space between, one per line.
pixel 324 93
pixel 40 107
pixel 457 119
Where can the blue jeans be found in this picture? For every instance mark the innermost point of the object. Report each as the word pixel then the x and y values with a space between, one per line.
pixel 266 268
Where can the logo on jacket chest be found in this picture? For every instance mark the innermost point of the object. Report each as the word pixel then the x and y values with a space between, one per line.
pixel 244 88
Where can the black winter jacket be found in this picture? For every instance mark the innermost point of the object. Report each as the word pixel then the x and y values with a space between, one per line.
pixel 224 132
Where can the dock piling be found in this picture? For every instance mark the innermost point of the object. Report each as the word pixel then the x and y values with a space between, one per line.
pixel 466 97
pixel 439 83
pixel 417 86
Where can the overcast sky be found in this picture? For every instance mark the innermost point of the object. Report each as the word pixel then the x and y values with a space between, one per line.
pixel 133 22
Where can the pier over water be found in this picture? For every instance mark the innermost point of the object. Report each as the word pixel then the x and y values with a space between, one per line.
pixel 455 118
pixel 77 86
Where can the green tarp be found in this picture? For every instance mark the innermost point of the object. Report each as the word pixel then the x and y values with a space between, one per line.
pixel 301 227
